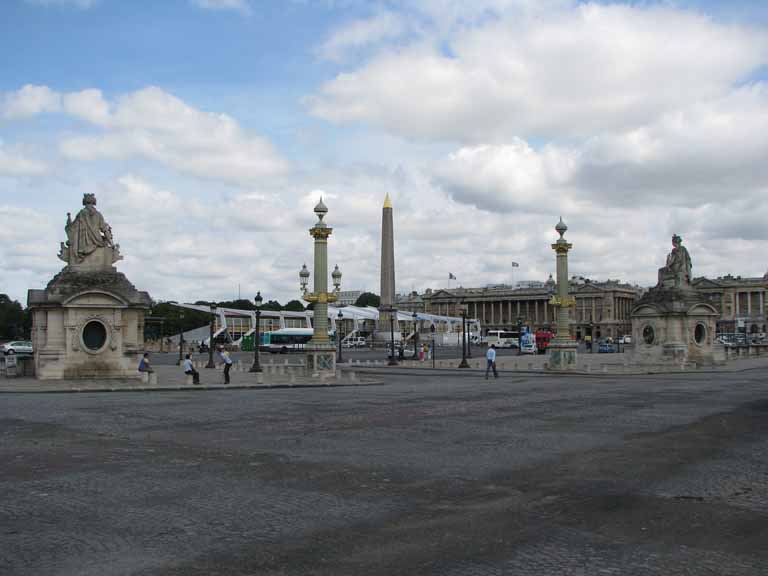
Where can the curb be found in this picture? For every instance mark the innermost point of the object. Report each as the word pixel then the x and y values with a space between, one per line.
pixel 190 388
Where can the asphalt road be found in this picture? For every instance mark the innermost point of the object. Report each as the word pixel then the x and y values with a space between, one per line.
pixel 448 475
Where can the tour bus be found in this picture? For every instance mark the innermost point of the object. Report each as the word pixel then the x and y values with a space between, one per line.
pixel 503 338
pixel 289 339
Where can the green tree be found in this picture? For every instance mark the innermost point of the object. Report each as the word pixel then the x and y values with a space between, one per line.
pixel 272 305
pixel 15 322
pixel 294 306
pixel 368 299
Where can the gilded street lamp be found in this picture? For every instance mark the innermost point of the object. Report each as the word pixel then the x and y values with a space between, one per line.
pixel 392 313
pixel 256 367
pixel 338 331
pixel 181 339
pixel 562 350
pixel 321 353
pixel 210 340
pixel 432 347
pixel 464 363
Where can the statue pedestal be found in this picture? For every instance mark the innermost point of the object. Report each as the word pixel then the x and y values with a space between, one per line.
pixel 562 355
pixel 87 324
pixel 674 327
pixel 321 360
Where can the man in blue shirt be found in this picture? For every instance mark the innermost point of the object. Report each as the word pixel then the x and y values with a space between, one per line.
pixel 227 361
pixel 490 356
pixel 190 369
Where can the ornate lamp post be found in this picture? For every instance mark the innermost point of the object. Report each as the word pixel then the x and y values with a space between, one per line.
pixel 519 335
pixel 392 313
pixel 464 363
pixel 321 355
pixel 432 347
pixel 210 340
pixel 338 331
pixel 562 350
pixel 415 336
pixel 181 339
pixel 256 336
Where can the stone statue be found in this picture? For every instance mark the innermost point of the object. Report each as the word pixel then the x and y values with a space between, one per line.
pixel 677 272
pixel 87 234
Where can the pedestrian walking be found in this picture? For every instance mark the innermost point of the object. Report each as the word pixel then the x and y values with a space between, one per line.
pixel 189 369
pixel 490 356
pixel 421 352
pixel 227 361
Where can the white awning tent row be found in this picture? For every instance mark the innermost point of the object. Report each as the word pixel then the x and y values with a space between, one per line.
pixel 356 314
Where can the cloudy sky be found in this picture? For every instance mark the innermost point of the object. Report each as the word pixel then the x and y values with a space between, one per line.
pixel 208 129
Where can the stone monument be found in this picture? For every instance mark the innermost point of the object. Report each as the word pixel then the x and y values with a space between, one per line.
pixel 672 323
pixel 385 331
pixel 89 320
pixel 562 349
pixel 321 352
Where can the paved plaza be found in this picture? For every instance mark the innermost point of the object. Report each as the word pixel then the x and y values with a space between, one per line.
pixel 440 474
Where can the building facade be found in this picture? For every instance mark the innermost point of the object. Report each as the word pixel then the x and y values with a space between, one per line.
pixel 741 302
pixel 602 308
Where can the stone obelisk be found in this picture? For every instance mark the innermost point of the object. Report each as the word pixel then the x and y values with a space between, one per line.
pixel 387 272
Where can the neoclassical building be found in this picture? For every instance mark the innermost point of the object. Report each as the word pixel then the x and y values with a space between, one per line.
pixel 602 308
pixel 741 302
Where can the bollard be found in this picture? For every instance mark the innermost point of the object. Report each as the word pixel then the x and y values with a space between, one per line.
pixel 152 379
pixel 188 379
pixel 293 378
pixel 145 377
pixel 352 377
pixel 259 378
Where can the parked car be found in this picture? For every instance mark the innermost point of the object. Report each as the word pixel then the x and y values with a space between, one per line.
pixel 355 342
pixel 625 340
pixel 17 347
pixel 606 347
pixel 528 348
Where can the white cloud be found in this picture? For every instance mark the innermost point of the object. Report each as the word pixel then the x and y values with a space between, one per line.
pixel 30 100
pixel 237 5
pixel 88 105
pixel 361 33
pixel 15 164
pixel 153 124
pixel 569 72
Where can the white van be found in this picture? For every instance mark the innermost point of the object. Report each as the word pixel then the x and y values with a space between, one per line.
pixel 355 342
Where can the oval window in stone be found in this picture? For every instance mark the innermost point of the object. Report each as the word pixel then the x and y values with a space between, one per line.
pixel 94 335
pixel 700 333
pixel 648 334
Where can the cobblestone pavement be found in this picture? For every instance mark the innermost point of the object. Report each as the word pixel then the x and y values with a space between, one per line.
pixel 431 474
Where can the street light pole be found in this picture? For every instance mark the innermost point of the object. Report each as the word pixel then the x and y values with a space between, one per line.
pixel 464 363
pixel 392 359
pixel 181 338
pixel 432 347
pixel 415 336
pixel 519 335
pixel 210 339
pixel 256 336
pixel 338 335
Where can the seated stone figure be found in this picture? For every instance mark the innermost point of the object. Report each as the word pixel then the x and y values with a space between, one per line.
pixel 677 272
pixel 87 233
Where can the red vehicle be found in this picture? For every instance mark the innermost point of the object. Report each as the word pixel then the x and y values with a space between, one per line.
pixel 543 338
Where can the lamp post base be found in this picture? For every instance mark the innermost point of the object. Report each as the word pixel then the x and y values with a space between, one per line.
pixel 562 355
pixel 464 363
pixel 321 360
pixel 255 368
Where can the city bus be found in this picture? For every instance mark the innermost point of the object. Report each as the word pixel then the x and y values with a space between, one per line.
pixel 503 338
pixel 289 340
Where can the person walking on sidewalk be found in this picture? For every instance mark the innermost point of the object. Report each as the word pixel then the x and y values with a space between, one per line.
pixel 227 361
pixel 189 369
pixel 490 356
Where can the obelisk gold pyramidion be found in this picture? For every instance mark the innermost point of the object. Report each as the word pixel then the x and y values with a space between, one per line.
pixel 387 306
pixel 321 352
